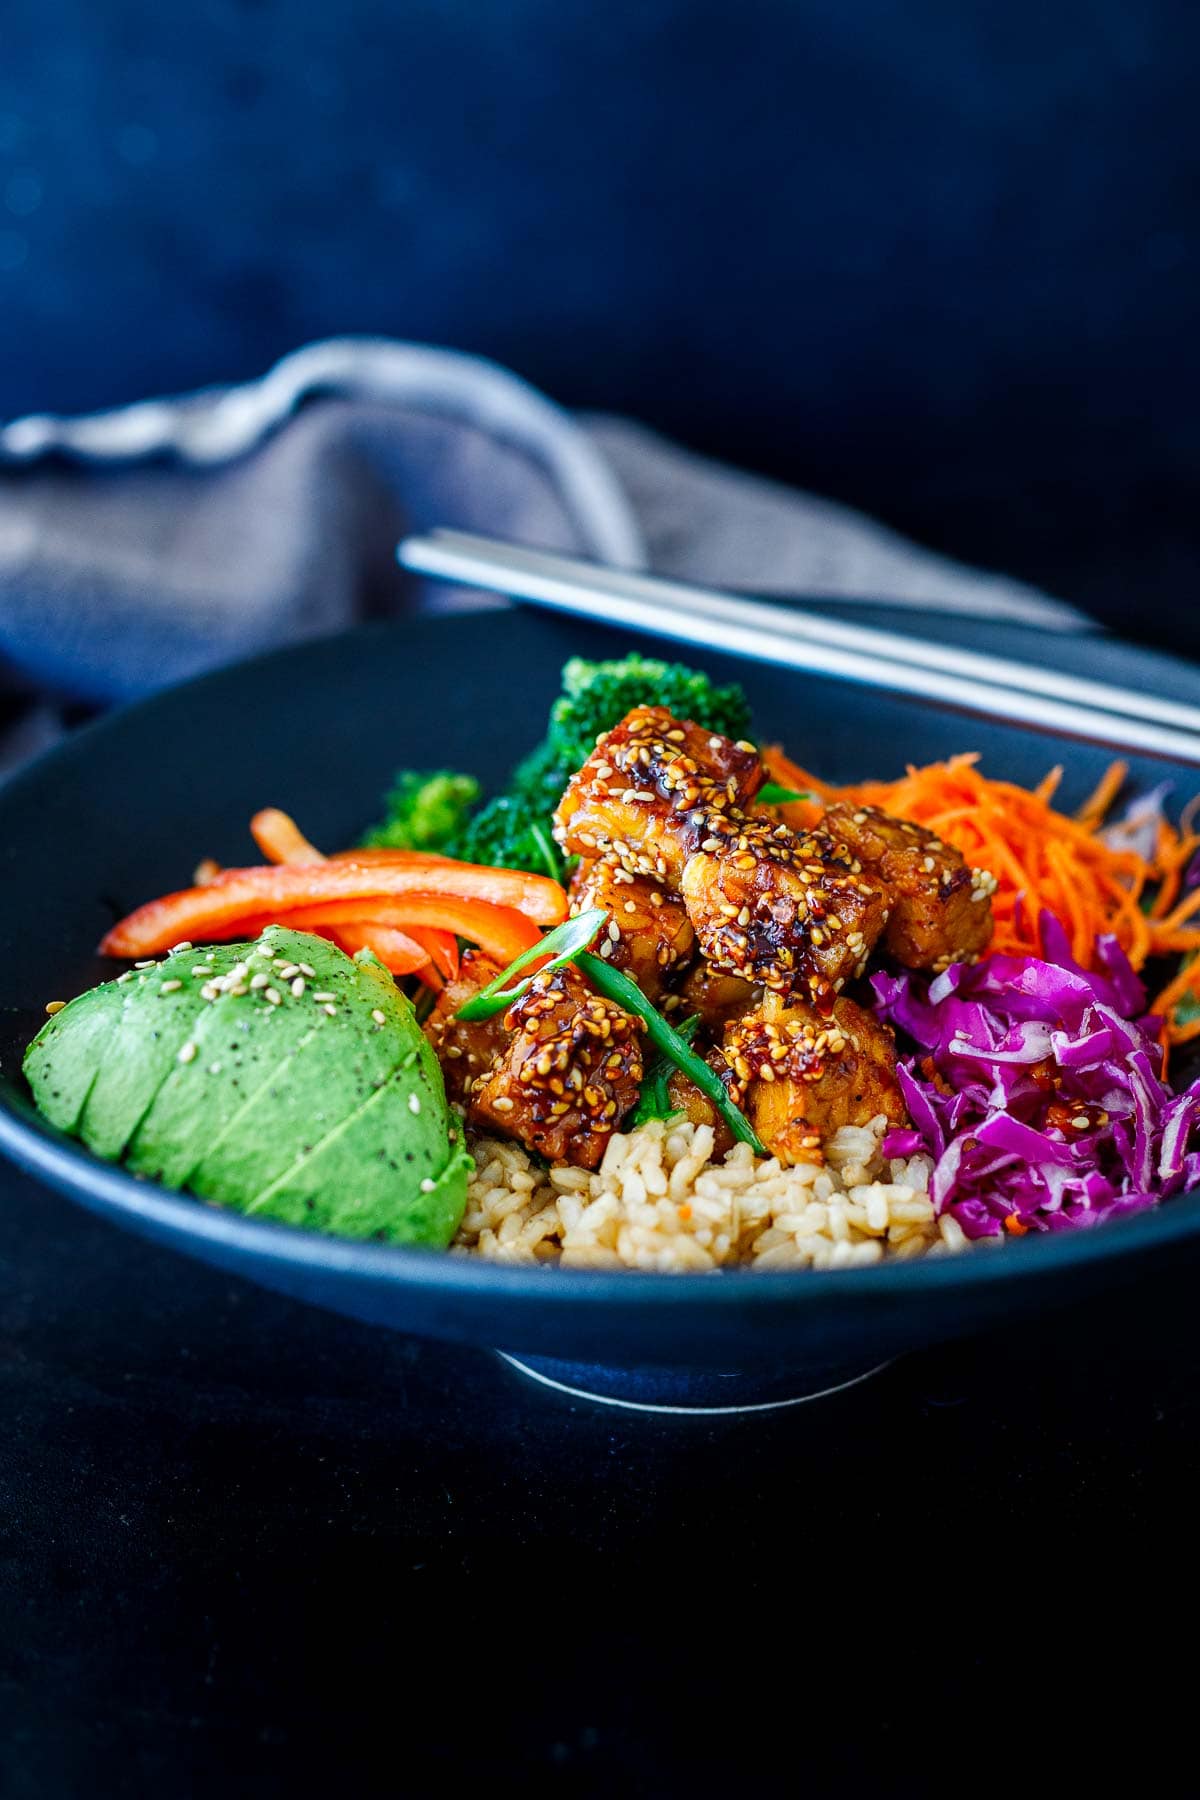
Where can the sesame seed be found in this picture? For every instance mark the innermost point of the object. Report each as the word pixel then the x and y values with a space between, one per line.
pixel 273 995
pixel 259 981
pixel 305 970
pixel 378 1016
pixel 170 987
pixel 427 1186
pixel 176 949
pixel 323 998
pixel 209 991
pixel 298 986
pixel 187 1052
pixel 55 1006
pixel 127 976
pixel 414 1103
pixel 288 971
pixel 330 1008
pixel 149 963
pixel 614 931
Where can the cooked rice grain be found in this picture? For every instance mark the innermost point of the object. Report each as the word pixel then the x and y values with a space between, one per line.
pixel 659 1201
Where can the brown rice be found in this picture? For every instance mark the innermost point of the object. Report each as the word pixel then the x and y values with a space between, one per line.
pixel 660 1201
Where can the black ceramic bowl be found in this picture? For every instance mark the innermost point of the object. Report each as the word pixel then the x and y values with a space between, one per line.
pixel 123 811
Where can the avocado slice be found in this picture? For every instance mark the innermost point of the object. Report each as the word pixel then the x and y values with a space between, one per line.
pixel 383 1173
pixel 326 1076
pixel 158 1008
pixel 64 1059
pixel 306 1093
pixel 237 1039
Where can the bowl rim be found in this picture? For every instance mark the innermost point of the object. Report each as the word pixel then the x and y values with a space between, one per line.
pixel 39 1149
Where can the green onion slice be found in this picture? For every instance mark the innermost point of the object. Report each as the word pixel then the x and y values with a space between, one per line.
pixel 566 942
pixel 771 794
pixel 615 985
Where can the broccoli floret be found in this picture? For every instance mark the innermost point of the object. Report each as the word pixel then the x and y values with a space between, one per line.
pixel 596 695
pixel 514 830
pixel 433 811
pixel 424 810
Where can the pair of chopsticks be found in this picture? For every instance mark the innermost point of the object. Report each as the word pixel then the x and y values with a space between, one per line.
pixel 990 687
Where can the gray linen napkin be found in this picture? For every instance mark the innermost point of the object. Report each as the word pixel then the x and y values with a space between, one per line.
pixel 143 545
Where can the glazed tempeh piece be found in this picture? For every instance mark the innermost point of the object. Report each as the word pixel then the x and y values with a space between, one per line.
pixel 801 1076
pixel 645 796
pixel 793 912
pixel 649 934
pixel 940 910
pixel 569 1073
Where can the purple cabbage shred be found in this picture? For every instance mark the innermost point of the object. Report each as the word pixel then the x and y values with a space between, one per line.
pixel 1037 1090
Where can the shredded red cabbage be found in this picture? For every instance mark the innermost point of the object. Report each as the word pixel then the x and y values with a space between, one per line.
pixel 1037 1090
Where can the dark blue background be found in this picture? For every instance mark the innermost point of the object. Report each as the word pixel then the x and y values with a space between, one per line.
pixel 939 259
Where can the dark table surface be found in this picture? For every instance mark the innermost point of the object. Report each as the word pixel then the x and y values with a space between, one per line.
pixel 252 1548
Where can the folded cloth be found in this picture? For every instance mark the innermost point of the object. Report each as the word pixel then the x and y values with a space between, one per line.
pixel 143 545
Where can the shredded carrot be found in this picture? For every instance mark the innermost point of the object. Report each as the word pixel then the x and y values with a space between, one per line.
pixel 1045 861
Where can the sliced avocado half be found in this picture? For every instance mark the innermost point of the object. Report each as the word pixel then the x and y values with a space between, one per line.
pixel 66 1056
pixel 158 1007
pixel 345 1056
pixel 380 1174
pixel 251 1025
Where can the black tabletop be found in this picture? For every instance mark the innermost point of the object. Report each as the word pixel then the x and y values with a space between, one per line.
pixel 251 1547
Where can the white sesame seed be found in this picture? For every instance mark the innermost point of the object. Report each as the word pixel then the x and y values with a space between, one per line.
pixel 200 969
pixel 127 976
pixel 298 986
pixel 330 1009
pixel 149 963
pixel 177 949
pixel 209 991
pixel 614 931
pixel 428 1186
pixel 288 971
pixel 414 1103
pixel 378 1016
pixel 503 1104
pixel 273 995
pixel 187 1052
pixel 260 981
pixel 55 1006
pixel 305 970
pixel 170 987
pixel 319 998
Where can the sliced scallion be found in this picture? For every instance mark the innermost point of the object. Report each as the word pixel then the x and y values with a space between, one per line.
pixel 615 985
pixel 771 794
pixel 564 944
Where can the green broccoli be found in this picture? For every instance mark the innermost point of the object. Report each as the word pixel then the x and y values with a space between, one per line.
pixel 425 810
pixel 597 694
pixel 514 830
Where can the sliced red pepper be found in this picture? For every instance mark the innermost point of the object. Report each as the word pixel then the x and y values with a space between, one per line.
pixel 240 895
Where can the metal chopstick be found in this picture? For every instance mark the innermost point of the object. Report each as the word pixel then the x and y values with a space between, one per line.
pixel 987 686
